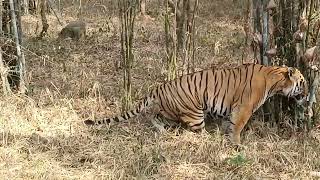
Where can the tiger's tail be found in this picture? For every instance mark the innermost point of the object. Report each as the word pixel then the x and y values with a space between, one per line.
pixel 147 101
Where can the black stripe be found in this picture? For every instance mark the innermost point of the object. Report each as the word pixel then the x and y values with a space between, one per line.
pixel 192 75
pixel 265 86
pixel 217 95
pixel 182 88
pixel 234 79
pixel 205 95
pixel 116 119
pixel 199 124
pixel 189 81
pixel 223 71
pixel 221 107
pixel 260 68
pixel 251 80
pixel 229 75
pixel 199 88
pixel 157 91
pixel 126 115
pixel 153 95
pixel 194 115
pixel 246 68
pixel 167 100
pixel 185 93
pixel 229 120
pixel 180 100
pixel 170 98
pixel 176 101
pixel 217 92
pixel 228 83
pixel 272 87
pixel 146 103
pixel 245 85
pixel 239 95
pixel 225 93
pixel 240 81
pixel 161 98
pixel 225 112
pixel 271 71
pixel 239 70
pixel 196 94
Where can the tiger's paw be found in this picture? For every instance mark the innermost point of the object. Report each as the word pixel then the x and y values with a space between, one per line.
pixel 89 122
pixel 235 142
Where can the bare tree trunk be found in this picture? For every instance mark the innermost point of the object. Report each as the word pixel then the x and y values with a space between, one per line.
pixel 21 60
pixel 17 8
pixel 313 77
pixel 143 8
pixel 6 17
pixel 257 43
pixel 309 20
pixel 45 25
pixel 143 12
pixel 80 9
pixel 59 5
pixel 22 64
pixel 3 70
pixel 181 30
pixel 189 43
pixel 32 6
pixel 4 76
pixel 1 9
pixel 181 9
pixel 193 33
pixel 26 7
pixel 312 62
pixel 265 33
pixel 171 44
pixel 268 106
pixel 127 13
pixel 249 32
pixel 296 33
pixel 54 9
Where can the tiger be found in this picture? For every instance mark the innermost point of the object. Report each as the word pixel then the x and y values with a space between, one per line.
pixel 235 93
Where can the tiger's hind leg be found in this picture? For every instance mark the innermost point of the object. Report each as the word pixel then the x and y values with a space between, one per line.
pixel 163 121
pixel 195 123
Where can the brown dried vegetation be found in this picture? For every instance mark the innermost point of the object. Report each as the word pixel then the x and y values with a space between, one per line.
pixel 43 135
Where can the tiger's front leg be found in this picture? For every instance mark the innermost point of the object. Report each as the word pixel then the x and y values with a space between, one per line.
pixel 239 118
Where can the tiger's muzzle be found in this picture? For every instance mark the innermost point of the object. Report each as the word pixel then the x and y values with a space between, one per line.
pixel 300 93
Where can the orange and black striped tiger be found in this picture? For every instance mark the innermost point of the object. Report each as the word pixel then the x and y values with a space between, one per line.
pixel 235 92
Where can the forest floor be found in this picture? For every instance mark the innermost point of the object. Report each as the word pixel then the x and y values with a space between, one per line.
pixel 43 135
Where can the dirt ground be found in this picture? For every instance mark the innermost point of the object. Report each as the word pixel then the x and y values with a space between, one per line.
pixel 43 135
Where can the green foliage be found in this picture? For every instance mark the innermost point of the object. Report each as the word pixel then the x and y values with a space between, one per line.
pixel 238 160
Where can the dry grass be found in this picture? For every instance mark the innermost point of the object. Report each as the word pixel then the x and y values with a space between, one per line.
pixel 43 137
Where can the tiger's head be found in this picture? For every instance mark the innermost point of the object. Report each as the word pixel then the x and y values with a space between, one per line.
pixel 295 85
